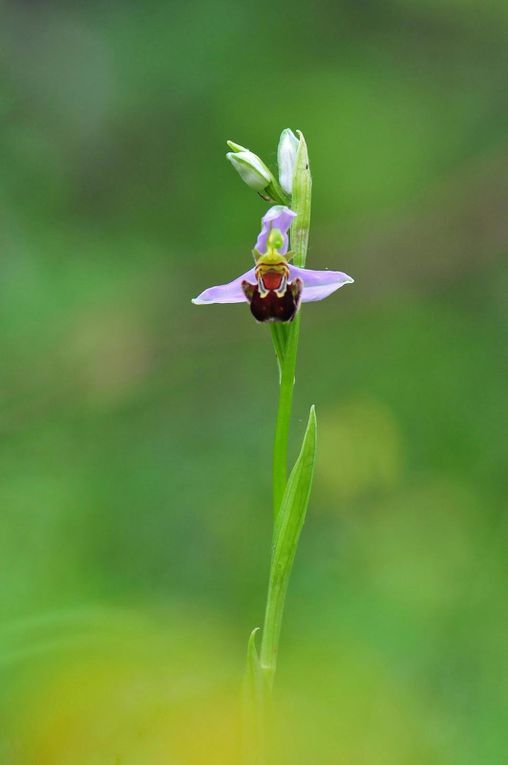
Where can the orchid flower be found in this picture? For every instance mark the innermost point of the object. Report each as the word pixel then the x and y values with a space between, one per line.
pixel 274 287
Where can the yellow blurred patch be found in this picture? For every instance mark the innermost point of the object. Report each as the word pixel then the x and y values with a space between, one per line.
pixel 146 693
pixel 359 451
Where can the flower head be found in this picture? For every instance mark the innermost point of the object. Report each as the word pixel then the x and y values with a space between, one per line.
pixel 274 287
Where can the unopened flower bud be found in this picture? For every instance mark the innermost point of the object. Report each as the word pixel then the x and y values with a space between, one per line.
pixel 250 167
pixel 286 157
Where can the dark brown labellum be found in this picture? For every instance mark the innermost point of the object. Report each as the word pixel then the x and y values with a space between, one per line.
pixel 273 307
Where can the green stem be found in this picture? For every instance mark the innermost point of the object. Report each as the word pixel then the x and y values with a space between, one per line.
pixel 277 590
pixel 279 339
pixel 287 382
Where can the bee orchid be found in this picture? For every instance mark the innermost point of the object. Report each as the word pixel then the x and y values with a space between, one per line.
pixel 274 288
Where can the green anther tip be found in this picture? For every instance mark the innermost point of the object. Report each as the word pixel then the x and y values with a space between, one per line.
pixel 275 239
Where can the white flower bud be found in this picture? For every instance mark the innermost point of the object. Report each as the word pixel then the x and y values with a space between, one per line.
pixel 250 167
pixel 286 157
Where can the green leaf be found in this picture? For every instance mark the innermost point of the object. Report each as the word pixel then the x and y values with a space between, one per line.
pixel 254 706
pixel 288 527
pixel 296 498
pixel 253 675
pixel 300 203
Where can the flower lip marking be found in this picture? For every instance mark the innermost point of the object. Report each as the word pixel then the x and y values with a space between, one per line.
pixel 272 280
pixel 273 298
pixel 272 269
pixel 273 305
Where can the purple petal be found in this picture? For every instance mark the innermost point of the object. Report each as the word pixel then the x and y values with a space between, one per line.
pixel 317 285
pixel 227 293
pixel 280 217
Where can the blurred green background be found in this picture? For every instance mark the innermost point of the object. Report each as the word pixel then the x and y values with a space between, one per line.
pixel 136 428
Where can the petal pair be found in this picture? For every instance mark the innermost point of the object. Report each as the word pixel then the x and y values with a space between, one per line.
pixel 317 285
